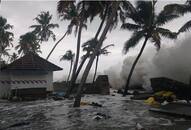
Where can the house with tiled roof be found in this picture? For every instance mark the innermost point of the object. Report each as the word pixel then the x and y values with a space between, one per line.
pixel 28 76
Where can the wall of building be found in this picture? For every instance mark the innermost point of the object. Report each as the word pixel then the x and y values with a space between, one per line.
pixel 25 79
pixel 5 88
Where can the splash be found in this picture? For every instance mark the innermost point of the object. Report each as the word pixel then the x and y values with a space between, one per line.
pixel 172 61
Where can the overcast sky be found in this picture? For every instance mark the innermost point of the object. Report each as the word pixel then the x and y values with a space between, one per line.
pixel 21 15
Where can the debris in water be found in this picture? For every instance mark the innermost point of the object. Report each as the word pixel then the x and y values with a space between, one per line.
pixel 139 127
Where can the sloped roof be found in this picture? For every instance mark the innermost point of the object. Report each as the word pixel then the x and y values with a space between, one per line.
pixel 32 61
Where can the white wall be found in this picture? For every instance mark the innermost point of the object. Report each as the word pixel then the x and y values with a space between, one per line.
pixel 27 79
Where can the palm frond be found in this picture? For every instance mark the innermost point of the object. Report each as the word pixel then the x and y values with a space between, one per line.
pixel 166 33
pixel 145 10
pixel 179 9
pixel 164 17
pixel 133 41
pixel 130 26
pixel 156 39
pixel 185 27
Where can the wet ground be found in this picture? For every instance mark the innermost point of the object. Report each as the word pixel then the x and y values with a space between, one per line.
pixel 122 114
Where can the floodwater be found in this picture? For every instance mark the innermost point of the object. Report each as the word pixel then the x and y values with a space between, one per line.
pixel 121 114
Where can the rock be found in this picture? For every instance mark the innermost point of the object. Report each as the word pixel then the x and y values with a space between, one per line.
pixel 96 104
pixel 100 116
pixel 56 98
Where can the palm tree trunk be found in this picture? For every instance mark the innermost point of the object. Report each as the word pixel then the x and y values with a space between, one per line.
pixel 101 24
pixel 56 44
pixel 96 68
pixel 133 67
pixel 76 76
pixel 73 80
pixel 80 67
pixel 69 71
pixel 98 46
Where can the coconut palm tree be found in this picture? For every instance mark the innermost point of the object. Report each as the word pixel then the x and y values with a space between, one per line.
pixel 28 43
pixel 4 52
pixel 43 28
pixel 6 37
pixel 68 56
pixel 102 9
pixel 102 51
pixel 76 19
pixel 66 11
pixel 111 19
pixel 148 25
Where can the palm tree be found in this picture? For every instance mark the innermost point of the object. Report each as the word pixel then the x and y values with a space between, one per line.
pixel 93 8
pixel 6 37
pixel 102 51
pixel 68 56
pixel 146 24
pixel 76 15
pixel 43 28
pixel 4 52
pixel 28 43
pixel 66 11
pixel 114 6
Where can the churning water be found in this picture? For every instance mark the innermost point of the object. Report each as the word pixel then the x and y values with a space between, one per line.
pixel 121 114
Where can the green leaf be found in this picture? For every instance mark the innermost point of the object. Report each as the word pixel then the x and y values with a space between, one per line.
pixel 166 33
pixel 133 41
pixel 130 26
pixel 185 27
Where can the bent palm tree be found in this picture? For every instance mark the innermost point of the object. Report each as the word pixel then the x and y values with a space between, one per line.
pixel 146 24
pixel 114 6
pixel 43 28
pixel 66 11
pixel 68 56
pixel 102 51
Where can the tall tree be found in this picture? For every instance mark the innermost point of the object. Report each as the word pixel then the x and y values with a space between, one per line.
pixel 102 51
pixel 93 9
pixel 77 19
pixel 43 28
pixel 4 52
pixel 6 37
pixel 114 6
pixel 28 43
pixel 68 56
pixel 148 25
pixel 67 11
